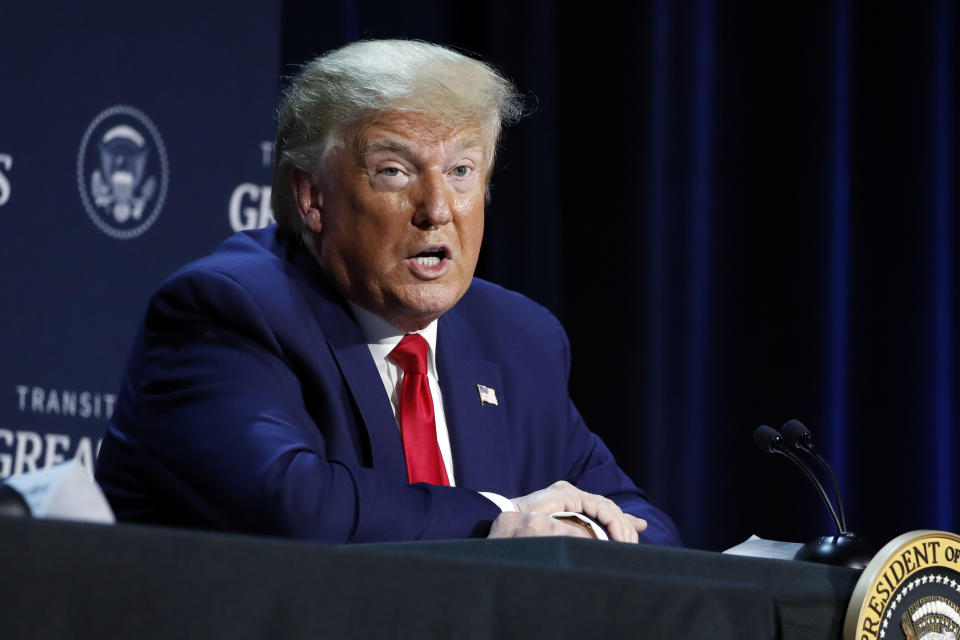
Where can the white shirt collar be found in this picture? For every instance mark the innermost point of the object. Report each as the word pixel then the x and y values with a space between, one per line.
pixel 382 336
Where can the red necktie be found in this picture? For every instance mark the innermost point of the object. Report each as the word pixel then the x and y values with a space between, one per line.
pixel 417 425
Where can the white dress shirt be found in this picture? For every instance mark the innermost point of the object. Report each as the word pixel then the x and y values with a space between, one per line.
pixel 381 338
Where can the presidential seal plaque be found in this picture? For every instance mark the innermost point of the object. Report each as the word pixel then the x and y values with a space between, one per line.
pixel 909 591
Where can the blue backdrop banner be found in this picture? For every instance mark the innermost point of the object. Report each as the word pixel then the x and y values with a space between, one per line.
pixel 130 143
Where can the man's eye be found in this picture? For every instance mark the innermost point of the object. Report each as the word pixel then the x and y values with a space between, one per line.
pixel 462 171
pixel 390 171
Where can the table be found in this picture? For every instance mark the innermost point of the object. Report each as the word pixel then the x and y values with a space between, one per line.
pixel 75 580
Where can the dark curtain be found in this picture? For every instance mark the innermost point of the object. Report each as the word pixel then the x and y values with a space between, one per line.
pixel 742 213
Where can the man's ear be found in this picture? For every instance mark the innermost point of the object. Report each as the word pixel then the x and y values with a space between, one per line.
pixel 309 200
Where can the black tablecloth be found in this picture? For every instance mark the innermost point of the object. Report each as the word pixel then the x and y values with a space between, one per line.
pixel 71 580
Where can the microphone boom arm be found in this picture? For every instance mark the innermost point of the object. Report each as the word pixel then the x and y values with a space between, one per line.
pixel 795 459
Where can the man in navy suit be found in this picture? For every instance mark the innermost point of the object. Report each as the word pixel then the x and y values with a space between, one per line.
pixel 342 376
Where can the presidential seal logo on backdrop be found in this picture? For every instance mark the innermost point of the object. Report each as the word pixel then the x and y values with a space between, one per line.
pixel 122 172
pixel 909 591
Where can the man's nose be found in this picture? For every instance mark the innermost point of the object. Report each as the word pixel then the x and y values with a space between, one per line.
pixel 433 202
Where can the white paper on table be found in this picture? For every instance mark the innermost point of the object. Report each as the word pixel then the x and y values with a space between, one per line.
pixel 597 529
pixel 63 491
pixel 756 547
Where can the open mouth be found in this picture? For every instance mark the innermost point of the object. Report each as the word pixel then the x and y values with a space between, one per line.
pixel 430 257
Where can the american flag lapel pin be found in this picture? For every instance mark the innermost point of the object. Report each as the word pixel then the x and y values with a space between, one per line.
pixel 487 395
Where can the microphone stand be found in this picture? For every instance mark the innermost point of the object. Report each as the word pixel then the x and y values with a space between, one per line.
pixel 845 549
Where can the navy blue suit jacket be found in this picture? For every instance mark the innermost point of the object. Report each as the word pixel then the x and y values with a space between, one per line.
pixel 251 403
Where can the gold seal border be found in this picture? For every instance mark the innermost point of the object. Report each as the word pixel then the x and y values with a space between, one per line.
pixel 874 571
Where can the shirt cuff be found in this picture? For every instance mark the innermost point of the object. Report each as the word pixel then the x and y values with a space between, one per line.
pixel 503 503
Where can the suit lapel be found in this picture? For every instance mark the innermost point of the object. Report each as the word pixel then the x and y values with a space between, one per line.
pixel 349 348
pixel 479 437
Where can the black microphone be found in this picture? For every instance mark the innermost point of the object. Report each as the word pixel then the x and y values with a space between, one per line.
pixel 796 435
pixel 769 441
pixel 844 549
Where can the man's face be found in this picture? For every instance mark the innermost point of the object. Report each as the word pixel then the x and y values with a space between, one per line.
pixel 402 217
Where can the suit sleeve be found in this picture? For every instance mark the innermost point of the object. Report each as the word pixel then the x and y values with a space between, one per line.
pixel 215 420
pixel 592 468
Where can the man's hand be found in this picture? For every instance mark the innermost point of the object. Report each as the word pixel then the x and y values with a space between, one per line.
pixel 563 496
pixel 530 525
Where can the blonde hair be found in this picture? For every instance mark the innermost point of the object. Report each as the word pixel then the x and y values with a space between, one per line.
pixel 334 96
